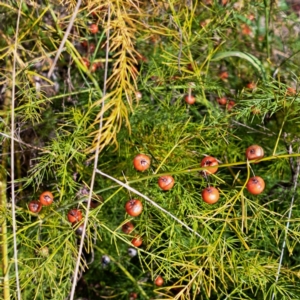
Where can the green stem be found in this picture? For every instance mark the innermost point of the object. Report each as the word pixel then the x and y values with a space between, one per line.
pixel 3 200
pixel 4 248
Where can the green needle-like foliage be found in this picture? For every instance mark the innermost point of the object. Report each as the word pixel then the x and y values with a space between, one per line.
pixel 120 91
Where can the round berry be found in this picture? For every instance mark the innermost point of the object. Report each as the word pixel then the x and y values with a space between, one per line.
pixel 137 241
pixel 230 105
pixel 94 28
pixel 166 182
pixel 255 185
pixel 190 99
pixel 74 215
pixel 79 229
pixel 254 152
pixel 134 207
pixel 35 206
pixel 85 62
pixel 127 228
pixel 132 252
pixel 223 75
pixel 211 163
pixel 141 162
pixel 159 281
pixel 222 100
pixel 251 85
pixel 133 296
pixel 46 198
pixel 210 195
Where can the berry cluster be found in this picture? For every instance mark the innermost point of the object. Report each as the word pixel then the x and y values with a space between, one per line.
pixel 46 199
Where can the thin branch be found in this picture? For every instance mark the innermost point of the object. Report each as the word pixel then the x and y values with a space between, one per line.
pixel 12 156
pixel 95 164
pixel 151 202
pixel 62 44
pixel 180 44
pixel 255 130
pixel 295 178
pixel 27 145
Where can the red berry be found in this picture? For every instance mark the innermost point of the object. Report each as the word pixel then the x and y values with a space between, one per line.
pixel 84 44
pixel 255 185
pixel 93 28
pixel 46 198
pixel 291 91
pixel 222 100
pixel 159 281
pixel 210 162
pixel 85 62
pixel 133 296
pixel 190 99
pixel 127 227
pixel 94 67
pixel 134 207
pixel 141 162
pixel 137 241
pixel 251 85
pixel 254 152
pixel 92 48
pixel 74 215
pixel 35 206
pixel 246 30
pixel 166 182
pixel 210 195
pixel 223 75
pixel 230 105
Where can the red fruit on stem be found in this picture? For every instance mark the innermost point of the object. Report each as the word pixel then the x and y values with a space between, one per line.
pixel 85 62
pixel 251 85
pixel 134 207
pixel 84 44
pixel 133 296
pixel 159 281
pixel 230 105
pixel 210 195
pixel 223 75
pixel 137 241
pixel 46 198
pixel 246 30
pixel 74 215
pixel 93 28
pixel 190 99
pixel 222 100
pixel 35 206
pixel 291 91
pixel 141 162
pixel 166 182
pixel 94 67
pixel 127 227
pixel 254 152
pixel 255 185
pixel 92 48
pixel 210 162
